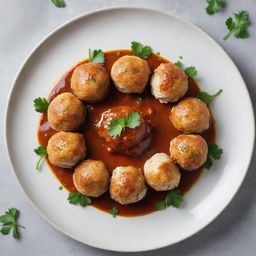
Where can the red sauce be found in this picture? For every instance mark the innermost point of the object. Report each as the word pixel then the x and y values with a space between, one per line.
pixel 163 132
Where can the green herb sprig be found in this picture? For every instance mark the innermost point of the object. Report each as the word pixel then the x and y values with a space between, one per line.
pixel 207 98
pixel 116 126
pixel 59 3
pixel 173 198
pixel 190 71
pixel 41 152
pixel 96 56
pixel 41 105
pixel 9 222
pixel 78 198
pixel 140 50
pixel 238 27
pixel 214 152
pixel 214 6
pixel 114 211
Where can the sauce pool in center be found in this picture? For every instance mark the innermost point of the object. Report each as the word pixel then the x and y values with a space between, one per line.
pixel 163 131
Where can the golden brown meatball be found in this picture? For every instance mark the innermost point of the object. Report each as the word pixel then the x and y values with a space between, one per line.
pixel 130 74
pixel 66 112
pixel 161 173
pixel 90 82
pixel 189 151
pixel 132 141
pixel 190 115
pixel 168 83
pixel 91 178
pixel 127 185
pixel 66 149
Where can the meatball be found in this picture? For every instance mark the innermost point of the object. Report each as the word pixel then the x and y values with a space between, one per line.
pixel 66 149
pixel 190 115
pixel 130 74
pixel 127 185
pixel 66 112
pixel 189 151
pixel 132 141
pixel 168 83
pixel 161 173
pixel 90 82
pixel 91 178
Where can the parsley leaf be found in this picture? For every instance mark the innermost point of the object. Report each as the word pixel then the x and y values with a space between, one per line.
pixel 191 71
pixel 60 187
pixel 132 120
pixel 41 104
pixel 9 221
pixel 215 152
pixel 239 26
pixel 78 198
pixel 113 211
pixel 59 3
pixel 173 198
pixel 207 98
pixel 141 50
pixel 139 100
pixel 116 126
pixel 97 56
pixel 214 6
pixel 41 152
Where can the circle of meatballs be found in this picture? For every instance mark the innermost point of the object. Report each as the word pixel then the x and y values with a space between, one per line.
pixel 90 82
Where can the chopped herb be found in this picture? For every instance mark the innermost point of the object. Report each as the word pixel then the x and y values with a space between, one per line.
pixel 141 50
pixel 215 152
pixel 60 187
pixel 59 3
pixel 239 26
pixel 178 64
pixel 113 211
pixel 41 152
pixel 41 105
pixel 9 220
pixel 116 126
pixel 214 6
pixel 97 56
pixel 173 198
pixel 191 71
pixel 207 98
pixel 158 53
pixel 139 100
pixel 134 71
pixel 78 198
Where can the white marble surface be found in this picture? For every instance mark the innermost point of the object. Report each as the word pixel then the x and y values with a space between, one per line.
pixel 23 23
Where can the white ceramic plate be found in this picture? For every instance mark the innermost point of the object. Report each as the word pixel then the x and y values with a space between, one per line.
pixel 114 29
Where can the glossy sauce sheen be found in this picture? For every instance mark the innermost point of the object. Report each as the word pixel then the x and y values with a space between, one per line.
pixel 163 132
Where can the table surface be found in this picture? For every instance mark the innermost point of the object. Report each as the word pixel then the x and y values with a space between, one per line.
pixel 22 25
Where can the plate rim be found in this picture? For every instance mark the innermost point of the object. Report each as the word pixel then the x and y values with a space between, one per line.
pixel 77 18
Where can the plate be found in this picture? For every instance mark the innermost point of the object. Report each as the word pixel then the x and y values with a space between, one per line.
pixel 110 29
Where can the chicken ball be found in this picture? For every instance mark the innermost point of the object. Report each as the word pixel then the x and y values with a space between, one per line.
pixel 189 151
pixel 161 173
pixel 130 74
pixel 66 112
pixel 90 82
pixel 127 185
pixel 91 178
pixel 66 149
pixel 169 83
pixel 190 115
pixel 131 141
